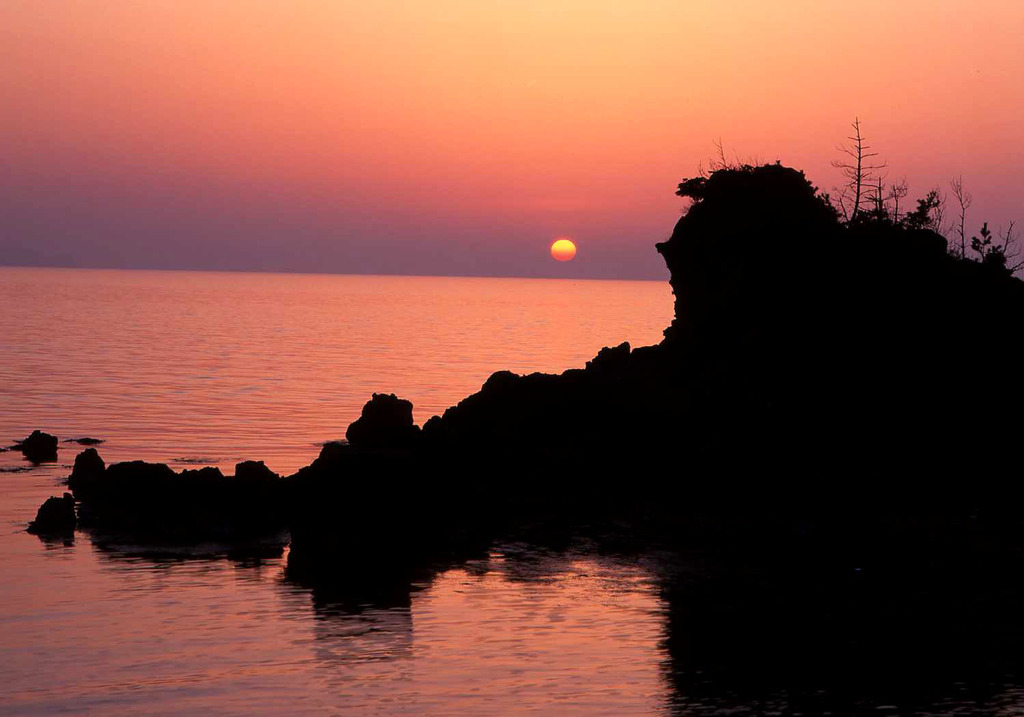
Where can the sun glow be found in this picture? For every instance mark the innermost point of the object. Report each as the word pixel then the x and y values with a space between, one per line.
pixel 563 250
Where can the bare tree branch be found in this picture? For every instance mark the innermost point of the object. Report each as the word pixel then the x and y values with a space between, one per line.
pixel 964 200
pixel 897 192
pixel 859 170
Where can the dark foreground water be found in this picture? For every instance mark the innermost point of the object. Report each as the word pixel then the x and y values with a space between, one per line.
pixel 213 368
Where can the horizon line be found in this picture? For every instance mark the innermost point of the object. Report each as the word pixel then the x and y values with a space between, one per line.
pixel 326 273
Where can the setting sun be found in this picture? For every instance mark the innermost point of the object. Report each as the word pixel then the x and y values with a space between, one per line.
pixel 563 250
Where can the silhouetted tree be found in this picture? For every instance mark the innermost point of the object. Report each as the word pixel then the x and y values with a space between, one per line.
pixel 719 162
pixel 876 195
pixel 858 171
pixel 964 201
pixel 996 251
pixel 927 214
pixel 883 208
pixel 898 191
pixel 1009 248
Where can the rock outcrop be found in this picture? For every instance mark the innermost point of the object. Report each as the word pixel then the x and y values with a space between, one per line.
pixel 386 424
pixel 55 518
pixel 39 447
pixel 88 466
pixel 154 501
pixel 255 472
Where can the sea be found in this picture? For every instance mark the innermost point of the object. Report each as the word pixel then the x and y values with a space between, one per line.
pixel 197 368
pixel 203 368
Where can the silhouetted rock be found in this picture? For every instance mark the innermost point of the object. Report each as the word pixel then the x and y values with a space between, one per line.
pixel 610 359
pixel 118 480
pixel 853 337
pixel 88 466
pixel 153 501
pixel 85 441
pixel 39 447
pixel 804 354
pixel 207 473
pixel 254 471
pixel 55 517
pixel 385 424
pixel 755 243
pixel 333 451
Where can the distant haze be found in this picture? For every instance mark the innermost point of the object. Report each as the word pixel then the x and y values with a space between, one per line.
pixel 463 137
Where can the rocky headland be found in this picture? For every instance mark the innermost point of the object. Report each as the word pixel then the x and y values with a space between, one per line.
pixel 819 378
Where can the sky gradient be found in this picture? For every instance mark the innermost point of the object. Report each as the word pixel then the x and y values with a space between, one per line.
pixel 463 137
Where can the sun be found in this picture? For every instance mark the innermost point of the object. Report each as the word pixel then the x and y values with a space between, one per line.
pixel 563 250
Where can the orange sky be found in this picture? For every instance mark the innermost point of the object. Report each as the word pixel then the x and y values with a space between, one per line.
pixel 464 136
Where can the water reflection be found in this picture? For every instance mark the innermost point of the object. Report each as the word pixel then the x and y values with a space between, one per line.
pixel 767 634
pixel 119 547
pixel 359 618
pixel 569 627
pixel 57 542
pixel 515 627
pixel 500 625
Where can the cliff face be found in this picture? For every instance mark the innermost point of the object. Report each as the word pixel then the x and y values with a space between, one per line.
pixel 749 249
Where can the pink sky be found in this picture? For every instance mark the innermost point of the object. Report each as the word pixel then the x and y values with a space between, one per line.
pixel 463 137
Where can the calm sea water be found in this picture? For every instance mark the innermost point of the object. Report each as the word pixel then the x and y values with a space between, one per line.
pixel 210 368
pixel 197 368
pixel 193 367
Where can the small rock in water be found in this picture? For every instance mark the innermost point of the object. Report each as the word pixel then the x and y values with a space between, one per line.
pixel 85 441
pixel 55 517
pixel 39 447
